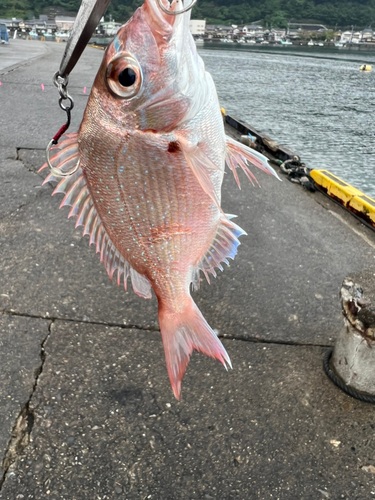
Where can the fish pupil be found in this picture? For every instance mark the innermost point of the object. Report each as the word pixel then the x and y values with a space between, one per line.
pixel 127 77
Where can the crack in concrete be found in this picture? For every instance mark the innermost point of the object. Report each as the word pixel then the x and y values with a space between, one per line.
pixel 18 149
pixel 75 320
pixel 21 432
pixel 17 158
pixel 256 340
pixel 32 197
pixel 154 329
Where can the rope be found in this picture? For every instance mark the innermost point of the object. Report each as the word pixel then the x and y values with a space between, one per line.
pixel 366 398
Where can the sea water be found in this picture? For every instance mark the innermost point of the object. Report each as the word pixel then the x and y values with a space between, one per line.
pixel 314 101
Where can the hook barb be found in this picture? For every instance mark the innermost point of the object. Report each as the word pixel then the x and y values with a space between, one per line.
pixel 178 12
pixel 55 171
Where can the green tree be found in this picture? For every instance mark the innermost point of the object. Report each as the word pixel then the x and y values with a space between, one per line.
pixel 277 13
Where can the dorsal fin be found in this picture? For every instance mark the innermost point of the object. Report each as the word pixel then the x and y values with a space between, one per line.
pixel 77 196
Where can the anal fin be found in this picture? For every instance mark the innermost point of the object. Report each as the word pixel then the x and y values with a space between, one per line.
pixel 223 247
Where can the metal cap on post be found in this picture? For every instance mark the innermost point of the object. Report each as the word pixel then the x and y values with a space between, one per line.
pixel 351 366
pixel 88 17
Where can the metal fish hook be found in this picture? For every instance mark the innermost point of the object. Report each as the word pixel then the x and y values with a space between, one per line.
pixel 178 12
pixel 64 95
pixel 55 171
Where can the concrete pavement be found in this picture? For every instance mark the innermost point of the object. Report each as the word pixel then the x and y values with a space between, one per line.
pixel 86 411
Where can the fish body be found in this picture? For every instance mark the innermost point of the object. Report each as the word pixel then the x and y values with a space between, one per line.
pixel 152 151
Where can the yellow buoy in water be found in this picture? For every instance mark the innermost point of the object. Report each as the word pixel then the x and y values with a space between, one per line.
pixel 365 67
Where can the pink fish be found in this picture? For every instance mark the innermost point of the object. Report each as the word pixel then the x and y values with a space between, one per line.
pixel 152 150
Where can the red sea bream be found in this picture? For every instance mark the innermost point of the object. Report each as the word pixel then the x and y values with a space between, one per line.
pixel 152 151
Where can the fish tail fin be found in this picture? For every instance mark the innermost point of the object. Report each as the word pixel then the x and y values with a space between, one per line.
pixel 182 332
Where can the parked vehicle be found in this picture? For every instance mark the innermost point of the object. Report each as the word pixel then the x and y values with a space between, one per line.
pixel 3 33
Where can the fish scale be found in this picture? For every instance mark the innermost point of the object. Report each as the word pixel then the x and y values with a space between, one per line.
pixel 168 201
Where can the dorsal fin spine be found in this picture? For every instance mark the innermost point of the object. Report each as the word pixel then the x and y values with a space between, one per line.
pixel 76 207
pixel 99 237
pixel 76 186
pixel 65 184
pixel 83 215
pixel 93 228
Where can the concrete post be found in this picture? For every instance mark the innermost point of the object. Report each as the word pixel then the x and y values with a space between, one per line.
pixel 354 353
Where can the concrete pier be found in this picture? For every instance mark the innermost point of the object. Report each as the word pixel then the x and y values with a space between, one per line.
pixel 86 410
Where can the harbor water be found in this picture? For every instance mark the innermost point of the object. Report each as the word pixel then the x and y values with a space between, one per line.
pixel 314 101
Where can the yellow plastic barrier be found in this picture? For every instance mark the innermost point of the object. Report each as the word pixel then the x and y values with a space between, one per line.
pixel 364 205
pixel 352 198
pixel 335 186
pixel 96 47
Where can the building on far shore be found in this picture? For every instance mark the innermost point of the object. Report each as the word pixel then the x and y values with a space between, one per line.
pixel 252 30
pixel 108 28
pixel 197 26
pixel 276 34
pixel 296 28
pixel 42 24
pixel 213 30
pixel 64 23
pixel 365 36
pixel 13 23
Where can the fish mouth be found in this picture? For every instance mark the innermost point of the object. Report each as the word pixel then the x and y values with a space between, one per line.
pixel 168 19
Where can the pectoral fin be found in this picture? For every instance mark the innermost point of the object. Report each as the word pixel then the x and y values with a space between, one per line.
pixel 202 167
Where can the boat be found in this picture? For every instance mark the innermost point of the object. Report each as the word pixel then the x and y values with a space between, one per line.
pixel 286 42
pixel 63 35
pixel 250 41
pixel 264 42
pixel 33 35
pixel 365 67
pixel 339 44
pixel 311 43
pixel 48 37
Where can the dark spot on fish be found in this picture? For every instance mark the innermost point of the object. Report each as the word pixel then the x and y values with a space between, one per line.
pixel 173 147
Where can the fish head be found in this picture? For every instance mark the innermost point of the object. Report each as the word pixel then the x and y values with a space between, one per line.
pixel 151 77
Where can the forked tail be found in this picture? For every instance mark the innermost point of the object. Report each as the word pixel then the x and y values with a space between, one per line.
pixel 182 332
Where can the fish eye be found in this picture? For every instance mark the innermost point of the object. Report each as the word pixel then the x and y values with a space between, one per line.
pixel 127 77
pixel 124 76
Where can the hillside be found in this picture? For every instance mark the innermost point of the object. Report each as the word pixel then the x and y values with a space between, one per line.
pixel 275 13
